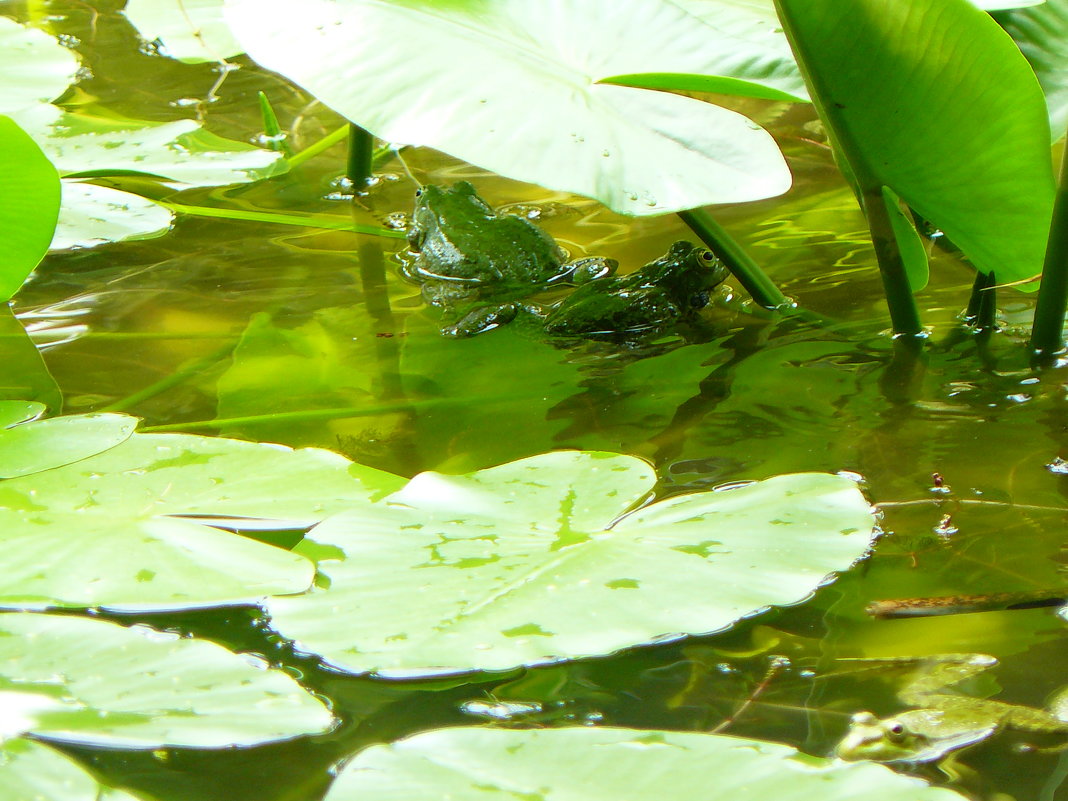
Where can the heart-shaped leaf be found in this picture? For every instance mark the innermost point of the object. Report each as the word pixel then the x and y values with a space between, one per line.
pixel 530 562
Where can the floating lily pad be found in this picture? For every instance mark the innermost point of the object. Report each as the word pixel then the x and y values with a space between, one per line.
pixel 94 215
pixel 136 526
pixel 530 562
pixel 192 31
pixel 138 688
pixel 30 770
pixel 13 412
pixel 34 67
pixel 469 764
pixel 42 445
pixel 463 77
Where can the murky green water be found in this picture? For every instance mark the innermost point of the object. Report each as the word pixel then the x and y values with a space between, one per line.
pixel 290 335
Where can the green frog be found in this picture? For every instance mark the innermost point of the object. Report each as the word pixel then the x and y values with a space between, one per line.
pixel 941 723
pixel 465 250
pixel 668 289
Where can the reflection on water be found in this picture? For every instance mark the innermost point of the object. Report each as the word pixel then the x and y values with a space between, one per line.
pixel 311 338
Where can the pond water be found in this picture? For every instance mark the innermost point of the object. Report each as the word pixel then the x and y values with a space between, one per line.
pixel 306 337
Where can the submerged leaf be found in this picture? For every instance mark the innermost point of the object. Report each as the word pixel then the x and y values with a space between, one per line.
pixel 139 688
pixel 530 562
pixel 34 67
pixel 478 764
pixel 512 86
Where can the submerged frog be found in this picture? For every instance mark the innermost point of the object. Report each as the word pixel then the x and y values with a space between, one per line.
pixel 659 294
pixel 464 249
pixel 941 723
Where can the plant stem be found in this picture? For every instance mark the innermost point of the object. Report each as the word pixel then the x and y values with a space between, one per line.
pixel 361 153
pixel 755 281
pixel 1047 332
pixel 330 221
pixel 173 380
pixel 325 143
pixel 982 305
pixel 904 316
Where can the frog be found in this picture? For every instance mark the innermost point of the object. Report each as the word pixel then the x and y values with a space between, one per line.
pixel 643 303
pixel 463 249
pixel 941 724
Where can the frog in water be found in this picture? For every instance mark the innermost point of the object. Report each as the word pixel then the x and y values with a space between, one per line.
pixel 941 723
pixel 464 250
pixel 659 294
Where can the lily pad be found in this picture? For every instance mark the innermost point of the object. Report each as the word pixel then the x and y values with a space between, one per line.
pixel 94 215
pixel 139 688
pixel 477 764
pixel 463 77
pixel 34 67
pixel 531 562
pixel 192 31
pixel 13 412
pixel 30 770
pixel 137 526
pixel 42 445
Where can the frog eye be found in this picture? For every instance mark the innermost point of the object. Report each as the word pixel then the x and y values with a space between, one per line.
pixel 895 730
pixel 706 255
pixel 419 192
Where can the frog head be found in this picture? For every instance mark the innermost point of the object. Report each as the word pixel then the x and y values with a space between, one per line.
pixel 881 740
pixel 439 208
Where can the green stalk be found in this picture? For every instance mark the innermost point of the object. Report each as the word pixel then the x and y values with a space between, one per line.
pixel 361 153
pixel 982 305
pixel 276 138
pixel 904 315
pixel 173 380
pixel 312 151
pixel 755 281
pixel 1047 332
pixel 330 221
pixel 901 303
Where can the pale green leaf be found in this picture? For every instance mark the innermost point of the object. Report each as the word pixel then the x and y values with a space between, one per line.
pixel 94 215
pixel 139 688
pixel 135 527
pixel 31 771
pixel 42 445
pixel 529 563
pixel 192 31
pixel 463 77
pixel 602 764
pixel 34 67
pixel 181 151
pixel 13 412
pixel 948 115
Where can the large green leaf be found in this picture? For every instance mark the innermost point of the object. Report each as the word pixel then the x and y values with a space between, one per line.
pixel 135 687
pixel 34 67
pixel 29 206
pixel 1042 34
pixel 932 99
pixel 530 562
pixel 32 771
pixel 591 764
pixel 134 527
pixel 511 86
